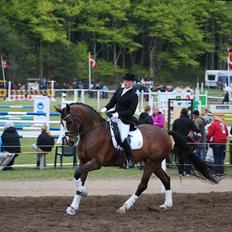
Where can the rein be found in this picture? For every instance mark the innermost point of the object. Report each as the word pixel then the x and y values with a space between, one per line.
pixel 76 119
pixel 91 129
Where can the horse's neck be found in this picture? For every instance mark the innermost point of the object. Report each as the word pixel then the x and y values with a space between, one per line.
pixel 89 122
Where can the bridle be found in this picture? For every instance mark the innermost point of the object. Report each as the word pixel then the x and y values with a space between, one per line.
pixel 76 132
pixel 76 120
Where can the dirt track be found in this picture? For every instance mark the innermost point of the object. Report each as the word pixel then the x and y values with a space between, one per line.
pixel 43 211
pixel 207 212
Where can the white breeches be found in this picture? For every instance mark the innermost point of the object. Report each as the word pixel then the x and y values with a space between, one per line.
pixel 123 128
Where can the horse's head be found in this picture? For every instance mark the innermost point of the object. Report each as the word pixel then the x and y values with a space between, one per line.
pixel 70 122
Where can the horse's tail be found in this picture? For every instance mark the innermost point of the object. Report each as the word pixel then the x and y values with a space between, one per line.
pixel 182 152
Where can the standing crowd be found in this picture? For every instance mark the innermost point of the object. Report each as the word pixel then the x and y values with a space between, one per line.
pixel 201 132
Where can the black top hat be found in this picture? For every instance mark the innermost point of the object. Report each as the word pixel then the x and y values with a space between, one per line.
pixel 184 111
pixel 196 112
pixel 129 77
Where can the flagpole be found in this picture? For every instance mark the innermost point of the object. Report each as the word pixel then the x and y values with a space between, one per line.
pixel 228 74
pixel 228 66
pixel 3 72
pixel 89 72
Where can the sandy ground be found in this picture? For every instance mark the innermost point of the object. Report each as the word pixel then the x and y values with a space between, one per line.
pixel 34 206
pixel 103 187
pixel 202 212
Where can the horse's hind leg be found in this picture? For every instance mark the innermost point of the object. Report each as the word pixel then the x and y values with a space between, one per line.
pixel 148 170
pixel 165 179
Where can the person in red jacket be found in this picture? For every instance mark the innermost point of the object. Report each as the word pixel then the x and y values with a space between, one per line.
pixel 217 135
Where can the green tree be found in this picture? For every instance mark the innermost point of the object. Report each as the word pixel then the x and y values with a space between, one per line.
pixel 174 38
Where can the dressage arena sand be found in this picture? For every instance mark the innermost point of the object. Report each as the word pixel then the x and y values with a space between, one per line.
pixel 39 206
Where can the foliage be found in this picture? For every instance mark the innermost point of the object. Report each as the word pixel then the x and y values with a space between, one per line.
pixel 47 38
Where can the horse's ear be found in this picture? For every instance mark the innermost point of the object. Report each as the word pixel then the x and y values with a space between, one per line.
pixel 67 108
pixel 58 109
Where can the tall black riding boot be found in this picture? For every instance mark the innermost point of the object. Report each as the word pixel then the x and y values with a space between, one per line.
pixel 129 158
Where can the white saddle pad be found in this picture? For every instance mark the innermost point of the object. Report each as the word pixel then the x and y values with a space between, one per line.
pixel 136 139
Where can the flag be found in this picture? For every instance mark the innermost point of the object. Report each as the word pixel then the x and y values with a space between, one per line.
pixel 229 58
pixel 92 62
pixel 5 65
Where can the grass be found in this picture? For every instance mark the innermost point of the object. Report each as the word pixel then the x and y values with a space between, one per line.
pixel 21 173
pixel 66 173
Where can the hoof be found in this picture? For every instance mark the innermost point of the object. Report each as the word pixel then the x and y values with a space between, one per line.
pixel 121 210
pixel 70 211
pixel 166 206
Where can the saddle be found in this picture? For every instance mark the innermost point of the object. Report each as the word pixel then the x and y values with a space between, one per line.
pixel 135 137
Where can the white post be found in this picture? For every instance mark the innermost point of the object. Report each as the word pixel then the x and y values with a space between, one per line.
pixel 63 102
pixel 9 91
pixel 82 96
pixel 150 99
pixel 197 97
pixel 89 72
pixel 206 98
pixel 3 72
pixel 142 98
pixel 198 85
pixel 228 66
pixel 98 100
pixel 53 91
pixel 202 87
pixel 75 95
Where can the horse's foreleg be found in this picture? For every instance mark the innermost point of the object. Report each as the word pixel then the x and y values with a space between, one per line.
pixel 165 179
pixel 80 177
pixel 148 170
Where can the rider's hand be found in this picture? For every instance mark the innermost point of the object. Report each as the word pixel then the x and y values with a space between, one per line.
pixel 103 110
pixel 115 115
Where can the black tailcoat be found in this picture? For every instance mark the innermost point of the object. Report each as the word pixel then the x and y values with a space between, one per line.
pixel 125 105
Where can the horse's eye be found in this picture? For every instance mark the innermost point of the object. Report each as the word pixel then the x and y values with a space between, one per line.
pixel 69 123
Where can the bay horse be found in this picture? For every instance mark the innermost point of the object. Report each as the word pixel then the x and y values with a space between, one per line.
pixel 95 149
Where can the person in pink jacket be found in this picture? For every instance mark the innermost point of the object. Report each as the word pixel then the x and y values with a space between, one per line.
pixel 157 117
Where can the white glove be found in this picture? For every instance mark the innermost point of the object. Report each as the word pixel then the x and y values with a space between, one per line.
pixel 103 110
pixel 115 115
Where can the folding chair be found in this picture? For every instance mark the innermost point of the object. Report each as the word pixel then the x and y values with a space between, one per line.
pixel 65 151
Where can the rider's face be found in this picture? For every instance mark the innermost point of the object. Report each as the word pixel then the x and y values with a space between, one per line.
pixel 128 84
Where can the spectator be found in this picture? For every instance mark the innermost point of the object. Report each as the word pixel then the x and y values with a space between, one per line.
pixel 207 116
pixel 10 143
pixel 158 118
pixel 144 117
pixel 218 131
pixel 105 91
pixel 45 143
pixel 226 98
pixel 200 149
pixel 183 125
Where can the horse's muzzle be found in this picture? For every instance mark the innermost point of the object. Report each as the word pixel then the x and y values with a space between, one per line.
pixel 71 138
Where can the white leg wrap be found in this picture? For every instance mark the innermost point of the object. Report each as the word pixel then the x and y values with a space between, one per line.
pixel 168 200
pixel 128 204
pixel 80 188
pixel 76 202
pixel 71 210
pixel 78 184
